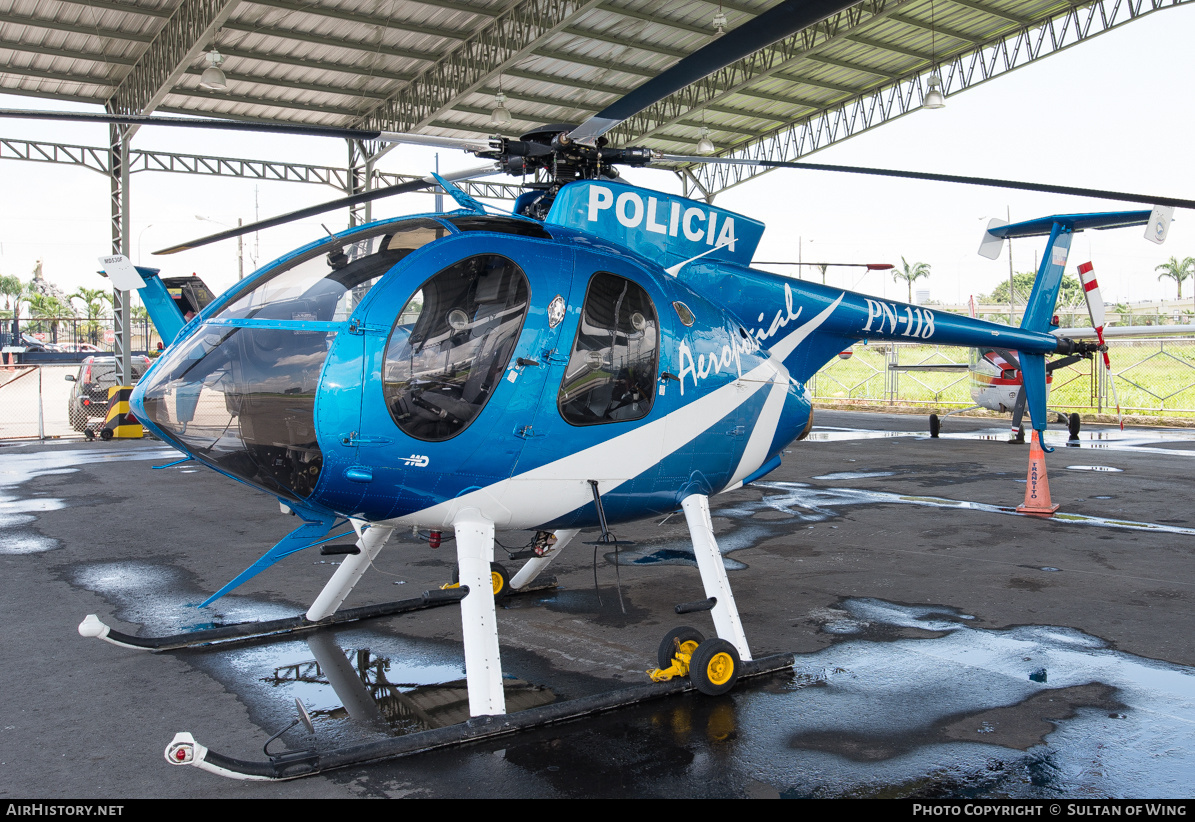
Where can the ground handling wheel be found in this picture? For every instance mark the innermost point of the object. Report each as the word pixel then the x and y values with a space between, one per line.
pixel 501 581
pixel 105 434
pixel 499 576
pixel 715 666
pixel 935 426
pixel 683 639
pixel 1072 425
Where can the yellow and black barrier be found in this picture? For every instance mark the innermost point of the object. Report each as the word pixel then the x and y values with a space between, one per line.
pixel 120 422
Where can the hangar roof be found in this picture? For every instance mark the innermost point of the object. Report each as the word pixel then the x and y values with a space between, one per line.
pixel 436 66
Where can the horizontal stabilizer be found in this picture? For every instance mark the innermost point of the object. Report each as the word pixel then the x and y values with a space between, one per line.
pixel 1042 226
pixel 1126 331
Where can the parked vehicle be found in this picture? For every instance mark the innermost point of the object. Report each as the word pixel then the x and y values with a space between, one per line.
pixel 88 402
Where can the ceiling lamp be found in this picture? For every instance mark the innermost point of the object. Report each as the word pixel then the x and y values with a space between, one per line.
pixel 213 78
pixel 705 145
pixel 934 98
pixel 720 22
pixel 501 116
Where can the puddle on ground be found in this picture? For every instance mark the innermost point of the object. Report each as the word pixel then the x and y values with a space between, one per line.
pixel 950 711
pixel 18 468
pixel 843 434
pixel 147 594
pixel 944 710
pixel 908 701
pixel 803 504
pixel 398 691
pixel 355 683
pixel 853 475
pixel 1058 712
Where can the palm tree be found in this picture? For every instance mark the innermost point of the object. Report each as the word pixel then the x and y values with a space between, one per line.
pixel 93 306
pixel 49 310
pixel 910 273
pixel 12 289
pixel 1177 271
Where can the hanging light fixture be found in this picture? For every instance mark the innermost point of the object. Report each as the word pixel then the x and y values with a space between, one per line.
pixel 213 78
pixel 705 145
pixel 501 117
pixel 720 22
pixel 934 96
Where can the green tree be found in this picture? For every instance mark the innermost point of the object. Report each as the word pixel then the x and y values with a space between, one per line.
pixel 13 290
pixel 910 273
pixel 1070 293
pixel 93 300
pixel 1177 271
pixel 47 311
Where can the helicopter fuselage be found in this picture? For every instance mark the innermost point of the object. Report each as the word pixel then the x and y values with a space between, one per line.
pixel 411 370
pixel 501 367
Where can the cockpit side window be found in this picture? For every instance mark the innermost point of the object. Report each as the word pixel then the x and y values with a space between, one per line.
pixel 451 344
pixel 611 373
pixel 328 282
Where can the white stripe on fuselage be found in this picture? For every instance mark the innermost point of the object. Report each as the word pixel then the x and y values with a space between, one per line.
pixel 550 491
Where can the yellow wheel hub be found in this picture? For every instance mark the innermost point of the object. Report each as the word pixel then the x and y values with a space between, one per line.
pixel 496 581
pixel 720 668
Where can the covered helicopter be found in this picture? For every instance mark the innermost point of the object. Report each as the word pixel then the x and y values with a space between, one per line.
pixel 605 354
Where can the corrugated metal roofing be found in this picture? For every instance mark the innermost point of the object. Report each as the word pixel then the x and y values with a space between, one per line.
pixel 349 62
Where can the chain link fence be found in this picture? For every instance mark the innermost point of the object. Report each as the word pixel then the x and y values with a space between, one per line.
pixel 1150 377
pixel 34 401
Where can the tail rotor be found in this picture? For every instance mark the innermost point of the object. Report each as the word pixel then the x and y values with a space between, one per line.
pixel 1095 309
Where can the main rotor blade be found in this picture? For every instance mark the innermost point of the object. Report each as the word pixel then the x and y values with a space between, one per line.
pixel 942 178
pixel 188 122
pixel 462 143
pixel 332 205
pixel 774 24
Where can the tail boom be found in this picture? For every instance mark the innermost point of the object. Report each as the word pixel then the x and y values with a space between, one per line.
pixel 807 324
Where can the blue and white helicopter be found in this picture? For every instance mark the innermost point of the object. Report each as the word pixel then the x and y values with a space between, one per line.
pixel 471 373
pixel 604 355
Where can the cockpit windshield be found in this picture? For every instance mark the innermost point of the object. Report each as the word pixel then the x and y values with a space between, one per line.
pixel 242 397
pixel 327 283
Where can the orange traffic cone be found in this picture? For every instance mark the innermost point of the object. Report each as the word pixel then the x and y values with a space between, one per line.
pixel 1037 485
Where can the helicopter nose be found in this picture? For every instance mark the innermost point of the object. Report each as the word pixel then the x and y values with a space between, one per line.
pixel 242 400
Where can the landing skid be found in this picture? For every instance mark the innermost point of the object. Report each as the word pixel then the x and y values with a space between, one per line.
pixel 184 750
pixel 93 626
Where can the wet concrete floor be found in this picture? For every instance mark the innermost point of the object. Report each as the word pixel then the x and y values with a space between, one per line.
pixel 946 646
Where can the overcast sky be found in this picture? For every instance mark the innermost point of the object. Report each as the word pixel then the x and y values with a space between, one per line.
pixel 1113 113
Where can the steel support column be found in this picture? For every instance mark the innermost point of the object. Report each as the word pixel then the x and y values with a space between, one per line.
pixel 118 177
